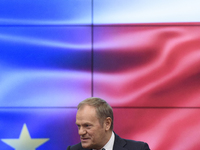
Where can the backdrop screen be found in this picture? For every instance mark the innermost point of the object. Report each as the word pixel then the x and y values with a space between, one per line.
pixel 142 57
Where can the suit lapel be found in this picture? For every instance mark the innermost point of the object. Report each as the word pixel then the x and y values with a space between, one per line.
pixel 119 143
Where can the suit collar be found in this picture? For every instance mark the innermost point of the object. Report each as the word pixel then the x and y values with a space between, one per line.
pixel 119 143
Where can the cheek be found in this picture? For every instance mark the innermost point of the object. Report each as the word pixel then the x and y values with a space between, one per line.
pixel 94 135
pixel 91 133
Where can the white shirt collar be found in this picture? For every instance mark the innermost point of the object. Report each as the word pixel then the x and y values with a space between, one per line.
pixel 110 143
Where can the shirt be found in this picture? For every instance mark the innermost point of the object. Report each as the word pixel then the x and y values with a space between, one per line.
pixel 110 143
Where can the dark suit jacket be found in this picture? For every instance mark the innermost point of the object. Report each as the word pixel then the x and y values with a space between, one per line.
pixel 119 144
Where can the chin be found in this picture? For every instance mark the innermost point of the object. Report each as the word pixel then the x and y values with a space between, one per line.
pixel 85 145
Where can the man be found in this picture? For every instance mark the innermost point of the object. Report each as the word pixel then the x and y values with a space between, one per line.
pixel 94 119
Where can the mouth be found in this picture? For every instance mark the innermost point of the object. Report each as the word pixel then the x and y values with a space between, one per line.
pixel 84 139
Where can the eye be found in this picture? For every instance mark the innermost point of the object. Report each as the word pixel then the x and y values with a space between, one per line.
pixel 87 125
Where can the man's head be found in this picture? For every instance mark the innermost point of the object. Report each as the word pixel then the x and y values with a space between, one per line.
pixel 95 122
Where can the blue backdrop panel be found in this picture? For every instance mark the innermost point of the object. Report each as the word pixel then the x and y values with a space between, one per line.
pixel 45 12
pixel 58 125
pixel 39 65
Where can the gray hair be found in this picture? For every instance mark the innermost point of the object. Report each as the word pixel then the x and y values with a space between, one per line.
pixel 103 109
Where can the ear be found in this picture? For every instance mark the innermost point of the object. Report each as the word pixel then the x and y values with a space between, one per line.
pixel 107 123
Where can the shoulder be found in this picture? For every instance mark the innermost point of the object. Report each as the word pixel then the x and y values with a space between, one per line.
pixel 130 144
pixel 76 147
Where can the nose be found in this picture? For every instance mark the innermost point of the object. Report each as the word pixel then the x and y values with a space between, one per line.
pixel 81 131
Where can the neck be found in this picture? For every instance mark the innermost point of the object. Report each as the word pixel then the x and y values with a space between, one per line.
pixel 107 138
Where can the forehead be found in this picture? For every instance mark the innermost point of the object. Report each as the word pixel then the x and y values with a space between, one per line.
pixel 86 114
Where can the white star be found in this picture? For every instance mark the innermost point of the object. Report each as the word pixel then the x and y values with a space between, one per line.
pixel 24 142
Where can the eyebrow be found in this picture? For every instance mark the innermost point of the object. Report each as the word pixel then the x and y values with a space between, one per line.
pixel 83 123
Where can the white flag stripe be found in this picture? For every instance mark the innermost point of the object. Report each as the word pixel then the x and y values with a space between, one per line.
pixel 145 11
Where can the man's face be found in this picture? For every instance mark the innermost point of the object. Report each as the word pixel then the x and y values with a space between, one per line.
pixel 89 128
